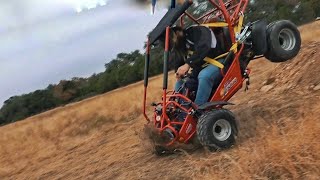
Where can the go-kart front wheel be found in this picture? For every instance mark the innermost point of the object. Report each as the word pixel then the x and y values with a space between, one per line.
pixel 217 129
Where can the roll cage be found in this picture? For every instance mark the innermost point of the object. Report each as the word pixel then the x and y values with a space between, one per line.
pixel 230 15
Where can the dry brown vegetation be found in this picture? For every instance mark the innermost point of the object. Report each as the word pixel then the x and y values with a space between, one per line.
pixel 99 138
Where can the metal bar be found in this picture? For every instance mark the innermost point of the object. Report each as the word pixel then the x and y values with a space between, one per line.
pixel 165 70
pixel 166 58
pixel 146 78
pixel 164 107
pixel 179 96
pixel 207 14
pixel 178 105
pixel 245 6
pixel 191 17
pixel 178 123
pixel 146 64
pixel 212 11
pixel 242 3
pixel 232 7
pixel 206 20
pixel 165 78
pixel 221 6
pixel 144 104
pixel 227 19
pixel 215 4
pixel 220 13
pixel 236 12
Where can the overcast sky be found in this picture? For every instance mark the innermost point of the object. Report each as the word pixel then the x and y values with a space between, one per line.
pixel 44 41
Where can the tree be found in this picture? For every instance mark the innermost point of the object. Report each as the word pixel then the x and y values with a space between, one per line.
pixel 127 68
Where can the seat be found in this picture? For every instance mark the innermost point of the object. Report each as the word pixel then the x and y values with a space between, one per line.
pixel 223 38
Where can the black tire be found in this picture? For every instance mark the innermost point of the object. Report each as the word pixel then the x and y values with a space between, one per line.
pixel 259 38
pixel 217 129
pixel 284 41
pixel 267 54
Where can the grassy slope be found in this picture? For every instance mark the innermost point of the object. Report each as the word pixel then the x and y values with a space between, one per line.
pixel 101 137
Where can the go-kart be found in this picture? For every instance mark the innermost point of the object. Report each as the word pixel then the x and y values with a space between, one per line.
pixel 210 124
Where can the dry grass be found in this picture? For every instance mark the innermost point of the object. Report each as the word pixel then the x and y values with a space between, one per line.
pixel 310 32
pixel 99 138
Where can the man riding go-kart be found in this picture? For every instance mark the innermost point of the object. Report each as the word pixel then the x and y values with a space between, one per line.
pixel 201 41
pixel 218 53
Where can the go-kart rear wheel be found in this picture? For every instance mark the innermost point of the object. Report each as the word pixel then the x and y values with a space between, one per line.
pixel 284 41
pixel 259 38
pixel 217 129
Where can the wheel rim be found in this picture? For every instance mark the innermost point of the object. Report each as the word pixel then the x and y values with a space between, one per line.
pixel 222 130
pixel 287 39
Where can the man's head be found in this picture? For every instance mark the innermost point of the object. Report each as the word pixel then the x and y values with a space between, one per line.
pixel 177 39
pixel 178 50
pixel 177 44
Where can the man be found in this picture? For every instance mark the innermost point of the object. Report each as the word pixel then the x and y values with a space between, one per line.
pixel 203 43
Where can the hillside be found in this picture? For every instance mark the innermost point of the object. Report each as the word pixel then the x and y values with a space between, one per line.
pixel 127 68
pixel 101 137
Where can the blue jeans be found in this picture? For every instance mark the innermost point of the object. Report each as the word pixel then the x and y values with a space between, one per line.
pixel 207 78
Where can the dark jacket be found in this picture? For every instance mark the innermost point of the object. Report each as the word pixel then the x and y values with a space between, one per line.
pixel 199 41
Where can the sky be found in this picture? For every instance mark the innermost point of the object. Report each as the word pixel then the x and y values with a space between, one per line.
pixel 45 41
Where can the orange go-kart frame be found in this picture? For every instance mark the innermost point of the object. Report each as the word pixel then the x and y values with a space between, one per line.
pixel 232 81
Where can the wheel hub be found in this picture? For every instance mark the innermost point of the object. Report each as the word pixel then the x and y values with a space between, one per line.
pixel 287 39
pixel 222 130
